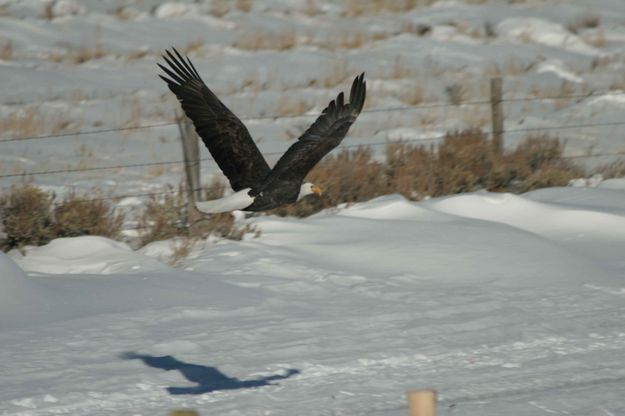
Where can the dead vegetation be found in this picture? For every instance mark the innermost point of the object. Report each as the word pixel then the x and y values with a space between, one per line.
pixel 166 216
pixel 586 20
pixel 75 55
pixel 463 162
pixel 270 40
pixel 33 120
pixel 6 50
pixel 30 216
pixel 355 8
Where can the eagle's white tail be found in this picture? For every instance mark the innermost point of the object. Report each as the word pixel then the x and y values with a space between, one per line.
pixel 237 200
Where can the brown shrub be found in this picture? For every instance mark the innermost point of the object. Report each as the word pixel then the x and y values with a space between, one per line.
pixel 167 216
pixel 30 217
pixel 586 20
pixel 349 176
pixel 6 51
pixel 75 216
pixel 26 213
pixel 614 169
pixel 455 93
pixel 164 216
pixel 463 162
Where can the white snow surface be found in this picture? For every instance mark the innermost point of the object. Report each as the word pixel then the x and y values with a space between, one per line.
pixel 505 304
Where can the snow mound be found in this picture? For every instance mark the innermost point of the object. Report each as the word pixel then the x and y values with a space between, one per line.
pixel 614 183
pixel 520 29
pixel 534 217
pixel 62 8
pixel 558 68
pixel 392 239
pixel 174 9
pixel 19 295
pixel 88 254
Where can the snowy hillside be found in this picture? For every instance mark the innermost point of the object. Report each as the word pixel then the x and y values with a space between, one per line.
pixel 90 66
pixel 505 304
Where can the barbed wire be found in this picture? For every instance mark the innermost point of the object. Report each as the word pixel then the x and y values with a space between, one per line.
pixel 422 106
pixel 374 144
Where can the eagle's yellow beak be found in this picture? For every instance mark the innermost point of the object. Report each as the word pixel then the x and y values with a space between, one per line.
pixel 316 190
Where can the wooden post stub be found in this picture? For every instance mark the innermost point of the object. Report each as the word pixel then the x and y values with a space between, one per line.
pixel 496 96
pixel 422 403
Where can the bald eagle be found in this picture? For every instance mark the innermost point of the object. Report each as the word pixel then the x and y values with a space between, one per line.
pixel 256 186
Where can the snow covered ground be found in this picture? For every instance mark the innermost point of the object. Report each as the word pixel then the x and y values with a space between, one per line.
pixel 506 304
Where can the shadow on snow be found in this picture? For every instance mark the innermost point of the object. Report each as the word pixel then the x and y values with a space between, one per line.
pixel 207 378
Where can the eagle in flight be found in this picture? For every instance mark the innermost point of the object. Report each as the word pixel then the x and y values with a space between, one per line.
pixel 256 186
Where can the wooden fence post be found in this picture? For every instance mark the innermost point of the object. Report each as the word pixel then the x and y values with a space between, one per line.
pixel 422 403
pixel 191 155
pixel 497 113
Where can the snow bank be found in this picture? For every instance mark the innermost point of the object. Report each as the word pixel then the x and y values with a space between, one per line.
pixel 531 29
pixel 542 219
pixel 88 254
pixel 409 243
pixel 174 9
pixel 20 298
pixel 558 68
pixel 488 297
pixel 85 276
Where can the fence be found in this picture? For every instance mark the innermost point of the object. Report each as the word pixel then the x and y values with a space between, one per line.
pixel 191 161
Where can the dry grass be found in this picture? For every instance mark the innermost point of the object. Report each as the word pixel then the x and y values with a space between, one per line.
pixel 25 122
pixel 355 8
pixel 419 29
pixel 26 214
pixel 335 75
pixel 463 162
pixel 244 5
pixel 290 105
pixel 270 40
pixel 78 54
pixel 30 217
pixel 413 95
pixel 344 39
pixel 614 169
pixel 193 46
pixel 311 8
pixel 76 216
pixel 30 121
pixel 220 8
pixel 6 51
pixel 456 93
pixel 587 20
pixel 402 70
pixel 166 217
pixel 597 39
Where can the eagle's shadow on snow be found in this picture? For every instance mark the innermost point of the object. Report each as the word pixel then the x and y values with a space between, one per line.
pixel 207 378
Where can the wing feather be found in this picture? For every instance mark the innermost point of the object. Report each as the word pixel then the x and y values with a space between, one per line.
pixel 223 133
pixel 322 136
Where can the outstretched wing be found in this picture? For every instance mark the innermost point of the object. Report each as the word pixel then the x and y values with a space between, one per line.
pixel 321 137
pixel 222 132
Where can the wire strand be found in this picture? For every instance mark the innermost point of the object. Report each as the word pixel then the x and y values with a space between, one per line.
pixel 276 117
pixel 350 146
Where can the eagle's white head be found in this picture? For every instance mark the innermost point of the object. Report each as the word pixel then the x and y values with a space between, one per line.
pixel 308 188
